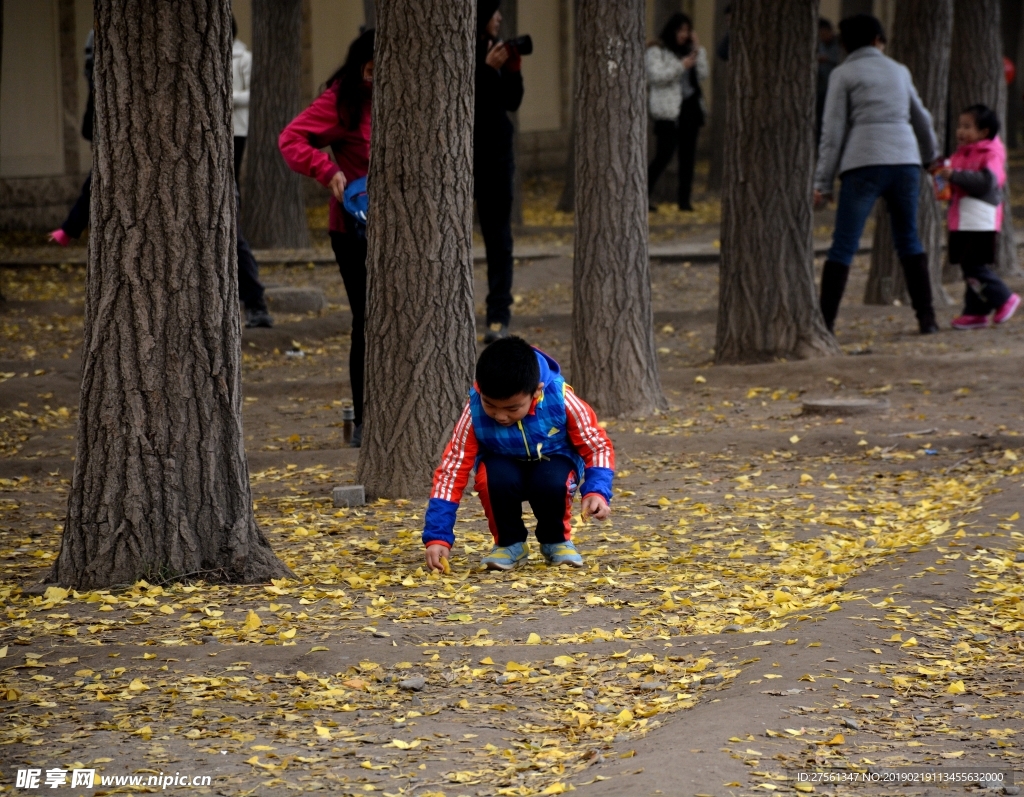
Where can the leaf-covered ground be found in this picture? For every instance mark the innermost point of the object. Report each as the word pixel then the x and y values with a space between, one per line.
pixel 775 591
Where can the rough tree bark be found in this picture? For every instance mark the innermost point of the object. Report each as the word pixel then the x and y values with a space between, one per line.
pixel 273 207
pixel 420 340
pixel 921 36
pixel 614 364
pixel 161 485
pixel 719 97
pixel 767 305
pixel 976 75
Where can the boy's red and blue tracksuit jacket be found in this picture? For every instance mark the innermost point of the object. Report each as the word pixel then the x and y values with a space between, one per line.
pixel 558 422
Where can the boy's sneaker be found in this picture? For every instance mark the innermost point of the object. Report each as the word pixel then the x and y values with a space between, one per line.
pixel 1005 313
pixel 507 557
pixel 970 322
pixel 562 553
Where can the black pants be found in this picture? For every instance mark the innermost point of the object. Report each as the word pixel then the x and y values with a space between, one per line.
pixel 492 189
pixel 678 136
pixel 350 252
pixel 239 151
pixel 78 219
pixel 548 484
pixel 975 252
pixel 250 289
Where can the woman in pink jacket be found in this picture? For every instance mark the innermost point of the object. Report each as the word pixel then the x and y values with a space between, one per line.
pixel 977 175
pixel 340 119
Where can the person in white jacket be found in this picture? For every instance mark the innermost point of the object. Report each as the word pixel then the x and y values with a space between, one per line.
pixel 676 64
pixel 241 74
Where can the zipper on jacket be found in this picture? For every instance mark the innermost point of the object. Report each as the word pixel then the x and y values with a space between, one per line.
pixel 526 443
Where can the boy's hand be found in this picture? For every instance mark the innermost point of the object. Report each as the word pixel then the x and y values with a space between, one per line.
pixel 434 555
pixel 595 506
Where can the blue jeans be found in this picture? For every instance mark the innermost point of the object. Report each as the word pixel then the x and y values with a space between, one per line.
pixel 860 189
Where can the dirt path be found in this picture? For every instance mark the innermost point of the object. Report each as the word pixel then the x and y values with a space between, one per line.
pixel 775 592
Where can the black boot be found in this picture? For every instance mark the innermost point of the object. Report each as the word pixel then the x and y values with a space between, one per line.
pixel 833 283
pixel 919 286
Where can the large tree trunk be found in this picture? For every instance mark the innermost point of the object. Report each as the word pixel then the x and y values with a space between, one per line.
pixel 273 207
pixel 420 341
pixel 921 37
pixel 161 485
pixel 719 97
pixel 767 306
pixel 976 75
pixel 614 364
pixel 567 201
pixel 369 14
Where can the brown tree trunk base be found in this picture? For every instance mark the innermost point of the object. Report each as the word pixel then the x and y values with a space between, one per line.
pixel 768 305
pixel 614 362
pixel 161 485
pixel 420 338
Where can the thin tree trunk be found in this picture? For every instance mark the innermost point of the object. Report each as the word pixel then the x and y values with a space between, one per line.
pixel 420 341
pixel 663 9
pixel 1010 23
pixel 847 8
pixel 719 97
pixel 976 75
pixel 69 84
pixel 567 201
pixel 614 364
pixel 273 207
pixel 921 37
pixel 767 306
pixel 161 485
pixel 509 30
pixel 369 14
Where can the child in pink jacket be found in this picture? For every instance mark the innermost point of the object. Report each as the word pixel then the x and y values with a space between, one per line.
pixel 977 175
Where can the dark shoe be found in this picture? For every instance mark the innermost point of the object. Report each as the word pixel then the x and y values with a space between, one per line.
pixel 919 286
pixel 495 332
pixel 258 318
pixel 357 436
pixel 833 283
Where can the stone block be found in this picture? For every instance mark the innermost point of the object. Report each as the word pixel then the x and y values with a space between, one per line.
pixel 295 300
pixel 349 495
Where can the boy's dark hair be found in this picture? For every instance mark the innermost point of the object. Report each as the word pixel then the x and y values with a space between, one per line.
pixel 507 368
pixel 984 118
pixel 860 30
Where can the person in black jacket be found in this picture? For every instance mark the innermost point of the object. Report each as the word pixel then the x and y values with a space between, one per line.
pixel 499 89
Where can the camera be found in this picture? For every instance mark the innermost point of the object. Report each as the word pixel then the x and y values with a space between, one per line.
pixel 520 45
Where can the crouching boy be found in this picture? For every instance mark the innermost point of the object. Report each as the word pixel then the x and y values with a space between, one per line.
pixel 530 438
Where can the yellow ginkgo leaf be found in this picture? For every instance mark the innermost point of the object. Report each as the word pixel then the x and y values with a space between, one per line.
pixel 533 639
pixel 252 622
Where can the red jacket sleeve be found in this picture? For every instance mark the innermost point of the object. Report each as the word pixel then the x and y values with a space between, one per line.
pixel 296 140
pixel 591 441
pixel 452 475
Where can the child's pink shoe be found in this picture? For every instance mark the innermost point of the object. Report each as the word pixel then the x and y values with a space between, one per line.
pixel 970 322
pixel 1005 313
pixel 58 236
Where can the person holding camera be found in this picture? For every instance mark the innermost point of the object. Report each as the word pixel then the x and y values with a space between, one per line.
pixel 499 90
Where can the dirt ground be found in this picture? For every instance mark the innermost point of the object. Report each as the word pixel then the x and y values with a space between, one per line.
pixel 777 593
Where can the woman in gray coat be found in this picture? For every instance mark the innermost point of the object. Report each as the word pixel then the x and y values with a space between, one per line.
pixel 877 134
